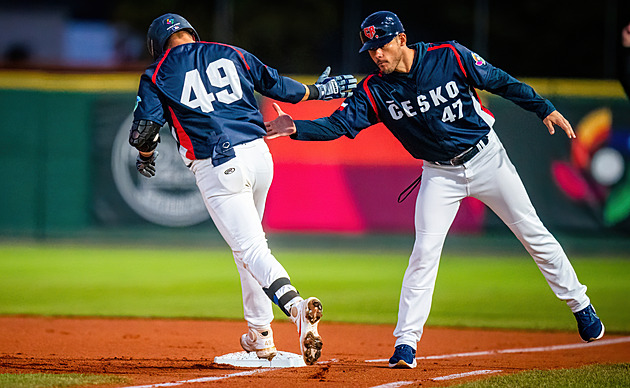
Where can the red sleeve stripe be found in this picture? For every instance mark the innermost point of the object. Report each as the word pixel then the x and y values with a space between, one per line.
pixel 481 104
pixel 459 59
pixel 233 48
pixel 370 97
pixel 184 140
pixel 158 66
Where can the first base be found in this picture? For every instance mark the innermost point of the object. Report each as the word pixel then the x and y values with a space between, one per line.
pixel 251 360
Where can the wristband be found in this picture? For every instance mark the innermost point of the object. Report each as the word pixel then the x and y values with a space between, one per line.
pixel 313 92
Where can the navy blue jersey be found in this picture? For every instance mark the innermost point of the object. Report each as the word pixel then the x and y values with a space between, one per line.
pixel 433 110
pixel 205 91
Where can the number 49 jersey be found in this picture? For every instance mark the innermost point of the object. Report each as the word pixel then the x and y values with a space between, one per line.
pixel 205 91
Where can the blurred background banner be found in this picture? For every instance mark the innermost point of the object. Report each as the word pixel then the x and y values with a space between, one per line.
pixel 66 166
pixel 353 185
pixel 69 71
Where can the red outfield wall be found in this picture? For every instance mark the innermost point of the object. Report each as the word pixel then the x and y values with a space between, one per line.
pixel 346 185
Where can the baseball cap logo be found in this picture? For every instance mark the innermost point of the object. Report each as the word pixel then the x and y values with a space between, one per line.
pixel 170 21
pixel 370 32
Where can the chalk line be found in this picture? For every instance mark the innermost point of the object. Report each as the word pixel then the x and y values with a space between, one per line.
pixel 466 374
pixel 203 379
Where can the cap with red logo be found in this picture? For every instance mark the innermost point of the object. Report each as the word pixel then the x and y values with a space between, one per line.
pixel 378 29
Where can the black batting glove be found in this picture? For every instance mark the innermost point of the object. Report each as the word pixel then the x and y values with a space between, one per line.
pixel 146 165
pixel 340 86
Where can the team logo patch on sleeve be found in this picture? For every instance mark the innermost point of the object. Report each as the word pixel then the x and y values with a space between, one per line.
pixel 478 60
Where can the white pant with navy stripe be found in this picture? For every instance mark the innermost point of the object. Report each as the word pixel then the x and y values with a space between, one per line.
pixel 490 177
pixel 235 193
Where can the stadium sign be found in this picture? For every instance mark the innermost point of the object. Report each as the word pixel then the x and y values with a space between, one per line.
pixel 171 197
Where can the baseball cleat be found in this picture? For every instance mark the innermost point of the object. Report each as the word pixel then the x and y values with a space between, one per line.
pixel 260 342
pixel 590 326
pixel 404 357
pixel 306 315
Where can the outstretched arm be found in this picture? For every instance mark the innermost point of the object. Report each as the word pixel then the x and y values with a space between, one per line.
pixel 556 118
pixel 283 125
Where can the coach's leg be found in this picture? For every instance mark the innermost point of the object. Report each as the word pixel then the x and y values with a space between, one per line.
pixel 438 200
pixel 497 184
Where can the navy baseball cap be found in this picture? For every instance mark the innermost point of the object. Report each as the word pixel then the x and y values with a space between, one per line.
pixel 378 29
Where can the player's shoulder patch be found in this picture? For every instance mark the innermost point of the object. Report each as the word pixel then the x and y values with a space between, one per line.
pixel 479 61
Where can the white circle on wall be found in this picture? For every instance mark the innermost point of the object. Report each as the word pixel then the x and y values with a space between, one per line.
pixel 171 197
pixel 607 166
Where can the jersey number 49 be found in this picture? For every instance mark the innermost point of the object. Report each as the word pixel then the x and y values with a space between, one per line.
pixel 221 74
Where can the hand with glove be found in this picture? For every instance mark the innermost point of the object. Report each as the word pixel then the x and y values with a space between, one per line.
pixel 146 164
pixel 327 88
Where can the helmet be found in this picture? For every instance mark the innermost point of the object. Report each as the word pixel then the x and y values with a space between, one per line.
pixel 378 29
pixel 162 28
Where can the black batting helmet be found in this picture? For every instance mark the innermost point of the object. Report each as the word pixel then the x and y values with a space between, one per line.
pixel 162 28
pixel 378 29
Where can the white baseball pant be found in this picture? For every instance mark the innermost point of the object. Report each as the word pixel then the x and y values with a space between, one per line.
pixel 235 193
pixel 490 177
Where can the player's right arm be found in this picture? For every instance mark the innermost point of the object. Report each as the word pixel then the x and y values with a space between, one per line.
pixel 144 134
pixel 269 83
pixel 348 120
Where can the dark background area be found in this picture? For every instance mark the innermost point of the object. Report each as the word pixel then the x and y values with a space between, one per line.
pixel 565 39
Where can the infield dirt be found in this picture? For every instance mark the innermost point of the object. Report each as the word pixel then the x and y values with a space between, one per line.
pixel 156 351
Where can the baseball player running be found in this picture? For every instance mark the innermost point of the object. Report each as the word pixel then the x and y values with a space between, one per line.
pixel 205 91
pixel 425 95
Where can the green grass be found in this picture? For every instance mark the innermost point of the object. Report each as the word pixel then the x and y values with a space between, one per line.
pixel 592 376
pixel 501 292
pixel 504 291
pixel 41 380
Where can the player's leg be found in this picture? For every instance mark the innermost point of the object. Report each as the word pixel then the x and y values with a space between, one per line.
pixel 441 192
pixel 305 313
pixel 258 313
pixel 256 305
pixel 497 183
pixel 228 192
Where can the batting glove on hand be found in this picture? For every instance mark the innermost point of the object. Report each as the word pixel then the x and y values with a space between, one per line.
pixel 146 165
pixel 335 87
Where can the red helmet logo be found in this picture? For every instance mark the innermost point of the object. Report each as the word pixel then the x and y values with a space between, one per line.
pixel 369 32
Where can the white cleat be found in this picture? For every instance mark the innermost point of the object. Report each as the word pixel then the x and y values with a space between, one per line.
pixel 260 342
pixel 306 315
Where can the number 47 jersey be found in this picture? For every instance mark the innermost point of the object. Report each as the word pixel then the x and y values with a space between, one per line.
pixel 434 109
pixel 205 91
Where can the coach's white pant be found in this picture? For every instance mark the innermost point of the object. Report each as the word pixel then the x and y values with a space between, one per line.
pixel 235 193
pixel 490 177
